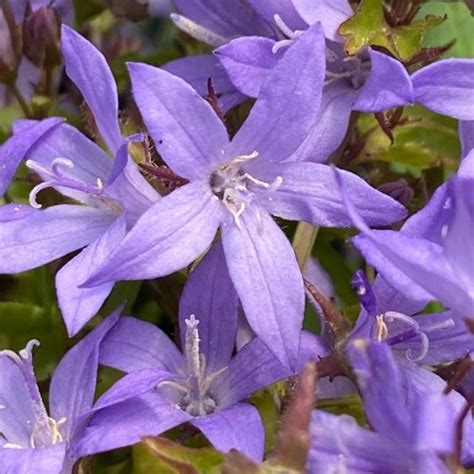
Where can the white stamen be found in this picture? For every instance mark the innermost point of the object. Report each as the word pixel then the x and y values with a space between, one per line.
pixel 382 329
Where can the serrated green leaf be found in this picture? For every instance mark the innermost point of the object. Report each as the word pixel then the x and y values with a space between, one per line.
pixel 368 27
pixel 459 26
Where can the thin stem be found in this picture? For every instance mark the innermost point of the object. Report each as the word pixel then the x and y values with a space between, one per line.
pixel 21 100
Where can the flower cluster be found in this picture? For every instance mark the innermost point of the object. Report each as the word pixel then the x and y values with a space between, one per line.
pixel 180 184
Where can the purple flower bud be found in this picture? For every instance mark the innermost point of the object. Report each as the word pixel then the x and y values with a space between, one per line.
pixel 10 43
pixel 134 10
pixel 399 190
pixel 41 37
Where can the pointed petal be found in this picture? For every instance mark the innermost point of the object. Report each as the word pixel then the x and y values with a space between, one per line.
pixel 330 128
pixel 196 70
pixel 210 295
pixel 47 460
pixel 288 103
pixel 253 368
pixel 331 13
pixel 388 85
pixel 169 236
pixel 309 192
pixel 187 133
pixel 248 62
pixel 264 271
pixel 73 383
pixel 229 19
pixel 134 345
pixel 132 386
pixel 16 148
pixel 43 236
pixel 17 406
pixel 338 443
pixel 88 69
pixel 409 264
pixel 79 305
pixel 446 87
pixel 380 383
pixel 90 161
pixel 239 427
pixel 126 423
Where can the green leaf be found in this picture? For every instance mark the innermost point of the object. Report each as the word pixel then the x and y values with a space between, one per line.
pixel 85 11
pixel 458 26
pixel 164 456
pixel 368 27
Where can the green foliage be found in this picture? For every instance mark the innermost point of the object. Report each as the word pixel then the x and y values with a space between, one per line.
pixel 368 27
pixel 459 26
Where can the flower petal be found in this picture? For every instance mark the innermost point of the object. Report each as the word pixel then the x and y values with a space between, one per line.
pixel 309 192
pixel 130 188
pixel 466 134
pixel 239 427
pixel 187 133
pixel 126 423
pixel 79 305
pixel 388 85
pixel 196 70
pixel 17 409
pixel 331 13
pixel 87 67
pixel 48 460
pixel 229 19
pixel 288 103
pixel 210 295
pixel 136 345
pixel 263 268
pixel 248 62
pixel 43 236
pixel 253 368
pixel 169 236
pixel 446 87
pixel 90 161
pixel 73 383
pixel 16 148
pixel 284 8
pixel 330 127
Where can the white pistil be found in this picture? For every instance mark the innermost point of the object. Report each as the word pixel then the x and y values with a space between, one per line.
pixel 381 328
pixel 287 31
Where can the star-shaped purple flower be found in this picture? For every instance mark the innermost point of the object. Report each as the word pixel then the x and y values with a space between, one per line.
pixel 33 439
pixel 236 186
pixel 111 194
pixel 203 383
pixel 419 424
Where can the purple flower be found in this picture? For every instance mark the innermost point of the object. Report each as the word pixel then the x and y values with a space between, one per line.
pixel 236 186
pixel 419 424
pixel 437 263
pixel 204 384
pixel 112 194
pixel 33 439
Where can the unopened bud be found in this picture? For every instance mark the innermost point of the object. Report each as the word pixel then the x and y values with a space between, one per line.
pixel 10 43
pixel 41 37
pixel 133 10
pixel 398 190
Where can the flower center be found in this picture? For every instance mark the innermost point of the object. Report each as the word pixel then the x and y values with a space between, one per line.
pixel 398 329
pixel 235 187
pixel 195 394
